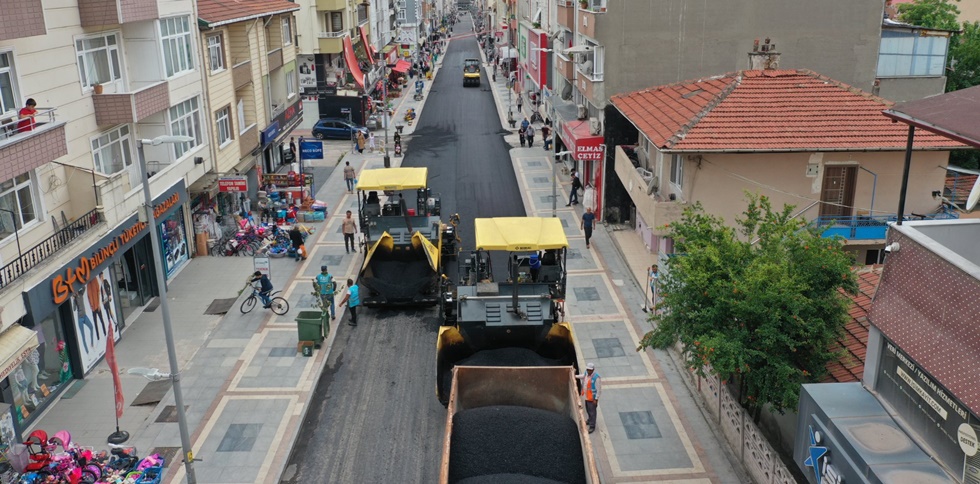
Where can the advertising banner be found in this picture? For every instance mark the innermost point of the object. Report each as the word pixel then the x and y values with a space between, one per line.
pixel 92 314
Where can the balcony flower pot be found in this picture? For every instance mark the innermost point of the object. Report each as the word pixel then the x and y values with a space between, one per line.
pixel 97 88
pixel 584 5
pixel 536 25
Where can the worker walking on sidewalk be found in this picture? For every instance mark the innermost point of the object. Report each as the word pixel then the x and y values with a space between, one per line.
pixel 324 282
pixel 591 386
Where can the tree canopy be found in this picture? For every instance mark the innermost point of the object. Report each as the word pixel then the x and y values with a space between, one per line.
pixel 759 303
pixel 935 14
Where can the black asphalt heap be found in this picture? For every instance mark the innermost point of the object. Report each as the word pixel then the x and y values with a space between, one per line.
pixel 501 357
pixel 507 479
pixel 515 440
pixel 399 280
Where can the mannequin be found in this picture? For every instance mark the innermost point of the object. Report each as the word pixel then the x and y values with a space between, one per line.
pixel 30 364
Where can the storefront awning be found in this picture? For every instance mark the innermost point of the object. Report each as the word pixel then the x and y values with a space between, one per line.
pixel 402 66
pixel 580 141
pixel 16 344
pixel 351 60
pixel 368 48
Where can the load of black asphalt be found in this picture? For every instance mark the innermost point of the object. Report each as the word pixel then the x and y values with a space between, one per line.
pixel 500 357
pixel 399 280
pixel 507 479
pixel 503 439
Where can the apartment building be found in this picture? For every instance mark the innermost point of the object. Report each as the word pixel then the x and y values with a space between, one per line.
pixel 252 77
pixel 76 258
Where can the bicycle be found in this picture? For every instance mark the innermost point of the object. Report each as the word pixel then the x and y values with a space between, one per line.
pixel 277 304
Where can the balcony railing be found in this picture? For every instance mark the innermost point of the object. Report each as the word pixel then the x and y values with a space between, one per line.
pixel 868 227
pixel 9 131
pixel 48 247
pixel 332 35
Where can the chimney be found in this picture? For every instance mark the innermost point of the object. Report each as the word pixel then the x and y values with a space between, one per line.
pixel 763 57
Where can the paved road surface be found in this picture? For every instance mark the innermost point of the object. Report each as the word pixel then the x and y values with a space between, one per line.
pixel 375 417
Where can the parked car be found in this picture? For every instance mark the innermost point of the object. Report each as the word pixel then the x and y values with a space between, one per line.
pixel 333 128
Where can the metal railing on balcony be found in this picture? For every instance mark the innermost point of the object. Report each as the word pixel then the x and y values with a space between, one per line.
pixel 869 227
pixel 48 247
pixel 332 35
pixel 9 131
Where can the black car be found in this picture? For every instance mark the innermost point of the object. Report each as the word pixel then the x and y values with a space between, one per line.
pixel 335 128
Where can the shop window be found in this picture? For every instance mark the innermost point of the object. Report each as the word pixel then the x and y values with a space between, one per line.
pixel 17 204
pixel 93 309
pixel 173 240
pixel 42 374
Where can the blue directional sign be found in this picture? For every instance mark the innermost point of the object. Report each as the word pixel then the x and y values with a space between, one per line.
pixel 311 150
pixel 814 454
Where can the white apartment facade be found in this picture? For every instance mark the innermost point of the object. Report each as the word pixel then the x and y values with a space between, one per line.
pixel 75 256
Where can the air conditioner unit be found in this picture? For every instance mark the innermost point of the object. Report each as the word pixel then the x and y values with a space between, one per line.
pixel 595 126
pixel 583 112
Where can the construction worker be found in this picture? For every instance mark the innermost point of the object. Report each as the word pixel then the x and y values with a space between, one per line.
pixel 591 386
pixel 324 283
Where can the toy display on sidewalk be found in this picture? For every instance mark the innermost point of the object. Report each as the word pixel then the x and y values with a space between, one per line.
pixel 57 460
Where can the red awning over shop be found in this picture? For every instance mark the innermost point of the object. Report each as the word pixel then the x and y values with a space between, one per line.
pixel 402 66
pixel 368 48
pixel 351 59
pixel 577 138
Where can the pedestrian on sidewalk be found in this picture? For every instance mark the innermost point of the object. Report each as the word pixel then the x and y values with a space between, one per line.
pixel 360 142
pixel 576 186
pixel 292 146
pixel 546 136
pixel 529 134
pixel 520 102
pixel 353 300
pixel 588 223
pixel 296 237
pixel 591 386
pixel 525 123
pixel 521 133
pixel 349 176
pixel 324 283
pixel 349 229
pixel 371 145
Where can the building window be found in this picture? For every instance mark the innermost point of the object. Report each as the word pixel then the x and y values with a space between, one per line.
pixel 17 207
pixel 8 101
pixel 402 15
pixel 112 152
pixel 216 53
pixel 291 83
pixel 175 35
pixel 287 32
pixel 241 116
pixel 223 119
pixel 184 121
pixel 677 170
pixel 98 60
pixel 336 21
pixel 904 54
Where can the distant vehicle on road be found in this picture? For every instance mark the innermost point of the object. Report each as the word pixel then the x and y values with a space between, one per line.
pixel 336 128
pixel 471 72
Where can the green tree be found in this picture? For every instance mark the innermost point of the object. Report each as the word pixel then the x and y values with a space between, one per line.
pixel 759 303
pixel 936 14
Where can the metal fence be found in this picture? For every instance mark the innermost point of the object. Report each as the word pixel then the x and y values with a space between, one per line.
pixel 48 247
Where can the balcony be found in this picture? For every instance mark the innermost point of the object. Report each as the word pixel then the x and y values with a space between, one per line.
pixel 566 68
pixel 248 140
pixel 656 213
pixel 332 42
pixel 869 227
pixel 275 59
pixel 100 13
pixel 566 13
pixel 22 18
pixel 241 74
pixel 47 248
pixel 132 106
pixel 25 151
pixel 331 5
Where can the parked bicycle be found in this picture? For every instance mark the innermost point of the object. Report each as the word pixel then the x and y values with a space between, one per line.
pixel 277 304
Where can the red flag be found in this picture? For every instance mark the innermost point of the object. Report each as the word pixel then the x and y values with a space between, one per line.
pixel 110 358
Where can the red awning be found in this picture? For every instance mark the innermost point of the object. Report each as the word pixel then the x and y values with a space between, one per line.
pixel 368 49
pixel 576 136
pixel 351 59
pixel 402 66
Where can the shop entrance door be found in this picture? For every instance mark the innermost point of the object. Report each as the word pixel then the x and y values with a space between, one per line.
pixel 133 274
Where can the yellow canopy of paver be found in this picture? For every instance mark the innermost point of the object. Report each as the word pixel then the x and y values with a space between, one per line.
pixel 392 179
pixel 519 233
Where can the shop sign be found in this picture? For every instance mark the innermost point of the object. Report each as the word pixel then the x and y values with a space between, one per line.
pixel 819 460
pixel 589 152
pixel 270 132
pixel 14 363
pixel 930 409
pixel 233 184
pixel 311 150
pixel 44 297
pixel 538 58
pixel 261 263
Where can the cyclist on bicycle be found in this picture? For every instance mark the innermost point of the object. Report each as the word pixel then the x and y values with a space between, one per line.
pixel 324 283
pixel 265 287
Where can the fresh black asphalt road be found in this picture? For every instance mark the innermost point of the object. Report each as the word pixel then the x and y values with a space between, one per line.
pixel 375 417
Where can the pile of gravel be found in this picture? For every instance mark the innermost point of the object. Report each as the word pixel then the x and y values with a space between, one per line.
pixel 500 357
pixel 511 440
pixel 507 479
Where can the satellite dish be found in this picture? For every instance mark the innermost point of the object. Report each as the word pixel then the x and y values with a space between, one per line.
pixel 971 201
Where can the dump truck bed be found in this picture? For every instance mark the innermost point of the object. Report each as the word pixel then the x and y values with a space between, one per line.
pixel 493 420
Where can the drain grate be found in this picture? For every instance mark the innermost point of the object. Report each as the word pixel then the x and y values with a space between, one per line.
pixel 169 414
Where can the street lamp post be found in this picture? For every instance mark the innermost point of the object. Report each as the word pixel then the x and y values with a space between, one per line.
pixel 554 182
pixel 185 438
pixel 384 106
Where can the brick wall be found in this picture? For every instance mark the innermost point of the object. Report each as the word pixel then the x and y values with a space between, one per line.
pixel 21 18
pixel 97 13
pixel 151 100
pixel 131 107
pixel 139 10
pixel 42 146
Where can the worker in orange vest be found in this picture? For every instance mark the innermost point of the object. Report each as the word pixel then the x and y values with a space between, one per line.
pixel 591 386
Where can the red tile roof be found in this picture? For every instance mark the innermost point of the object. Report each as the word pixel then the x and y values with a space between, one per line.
pixel 958 186
pixel 220 12
pixel 777 110
pixel 853 344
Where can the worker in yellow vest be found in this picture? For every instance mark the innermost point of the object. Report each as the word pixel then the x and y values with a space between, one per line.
pixel 591 386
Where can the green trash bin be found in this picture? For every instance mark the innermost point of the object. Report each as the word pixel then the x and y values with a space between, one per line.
pixel 311 325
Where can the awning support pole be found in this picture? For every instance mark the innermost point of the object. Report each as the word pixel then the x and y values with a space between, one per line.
pixel 905 175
